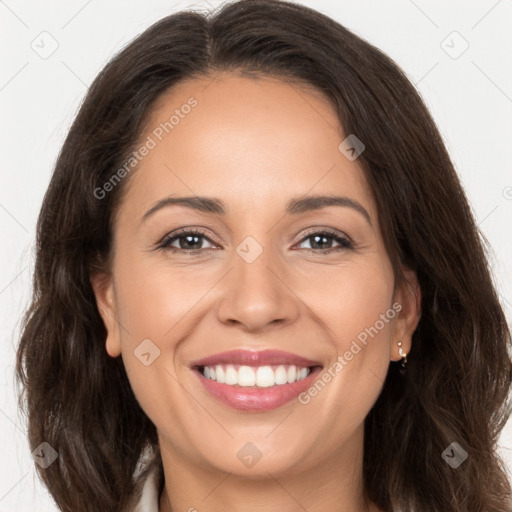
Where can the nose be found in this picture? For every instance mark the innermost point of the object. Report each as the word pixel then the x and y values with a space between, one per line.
pixel 257 294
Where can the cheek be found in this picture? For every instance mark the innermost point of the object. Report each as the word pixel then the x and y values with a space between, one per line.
pixel 162 303
pixel 157 306
pixel 355 305
pixel 350 299
pixel 341 304
pixel 154 298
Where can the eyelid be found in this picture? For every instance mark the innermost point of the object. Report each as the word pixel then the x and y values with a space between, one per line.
pixel 164 242
pixel 334 233
pixel 344 241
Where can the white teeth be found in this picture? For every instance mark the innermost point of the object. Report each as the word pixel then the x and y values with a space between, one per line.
pixel 265 377
pixel 292 374
pixel 302 373
pixel 260 376
pixel 221 376
pixel 281 376
pixel 231 376
pixel 246 376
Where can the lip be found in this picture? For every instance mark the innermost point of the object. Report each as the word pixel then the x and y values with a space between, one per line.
pixel 245 398
pixel 254 358
pixel 257 399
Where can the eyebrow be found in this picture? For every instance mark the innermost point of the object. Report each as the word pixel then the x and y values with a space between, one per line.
pixel 295 206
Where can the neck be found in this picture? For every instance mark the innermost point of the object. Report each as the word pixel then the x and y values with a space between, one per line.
pixel 336 480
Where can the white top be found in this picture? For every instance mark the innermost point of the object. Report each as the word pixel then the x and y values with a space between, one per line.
pixel 150 497
pixel 149 481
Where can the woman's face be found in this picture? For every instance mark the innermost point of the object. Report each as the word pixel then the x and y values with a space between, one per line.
pixel 254 279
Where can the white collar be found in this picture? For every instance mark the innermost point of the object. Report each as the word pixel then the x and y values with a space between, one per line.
pixel 149 498
pixel 149 480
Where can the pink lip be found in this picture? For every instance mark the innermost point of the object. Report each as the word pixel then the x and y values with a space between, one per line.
pixel 253 398
pixel 257 399
pixel 255 358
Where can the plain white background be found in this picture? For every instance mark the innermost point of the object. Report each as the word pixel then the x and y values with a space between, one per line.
pixel 457 53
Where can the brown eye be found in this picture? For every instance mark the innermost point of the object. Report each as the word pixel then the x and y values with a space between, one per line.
pixel 188 241
pixel 322 241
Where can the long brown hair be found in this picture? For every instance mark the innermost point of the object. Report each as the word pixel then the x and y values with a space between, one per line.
pixel 456 389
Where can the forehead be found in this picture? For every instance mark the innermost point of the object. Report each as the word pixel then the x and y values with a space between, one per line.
pixel 253 141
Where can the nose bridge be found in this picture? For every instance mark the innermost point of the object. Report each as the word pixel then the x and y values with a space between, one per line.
pixel 256 293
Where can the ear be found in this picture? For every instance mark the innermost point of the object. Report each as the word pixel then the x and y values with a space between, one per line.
pixel 407 303
pixel 103 287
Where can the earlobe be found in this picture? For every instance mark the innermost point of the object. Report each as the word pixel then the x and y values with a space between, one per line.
pixel 409 297
pixel 103 288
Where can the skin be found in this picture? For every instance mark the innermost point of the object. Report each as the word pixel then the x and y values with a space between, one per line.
pixel 254 143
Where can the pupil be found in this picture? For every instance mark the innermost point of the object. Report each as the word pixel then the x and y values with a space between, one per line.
pixel 188 238
pixel 318 240
pixel 319 237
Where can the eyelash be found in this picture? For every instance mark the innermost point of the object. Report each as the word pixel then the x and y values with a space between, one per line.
pixel 165 243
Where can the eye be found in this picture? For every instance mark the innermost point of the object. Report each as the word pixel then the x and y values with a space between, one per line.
pixel 188 240
pixel 320 239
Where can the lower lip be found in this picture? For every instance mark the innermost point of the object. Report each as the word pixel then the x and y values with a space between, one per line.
pixel 257 399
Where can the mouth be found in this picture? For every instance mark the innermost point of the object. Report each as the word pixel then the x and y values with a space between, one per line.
pixel 257 376
pixel 256 380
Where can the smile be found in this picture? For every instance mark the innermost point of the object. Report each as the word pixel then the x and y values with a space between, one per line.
pixel 261 376
pixel 241 380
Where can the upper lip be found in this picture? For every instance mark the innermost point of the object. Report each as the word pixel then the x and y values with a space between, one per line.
pixel 255 358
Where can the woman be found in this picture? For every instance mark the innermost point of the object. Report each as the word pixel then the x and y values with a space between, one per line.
pixel 185 350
